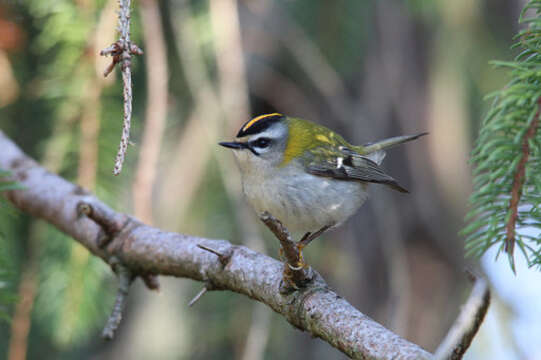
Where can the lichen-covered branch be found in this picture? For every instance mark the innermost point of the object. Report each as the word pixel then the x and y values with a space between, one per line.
pixel 147 250
pixel 121 51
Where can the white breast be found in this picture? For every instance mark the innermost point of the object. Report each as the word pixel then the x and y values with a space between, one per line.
pixel 304 202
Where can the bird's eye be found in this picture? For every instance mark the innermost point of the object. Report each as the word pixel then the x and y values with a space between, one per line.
pixel 262 142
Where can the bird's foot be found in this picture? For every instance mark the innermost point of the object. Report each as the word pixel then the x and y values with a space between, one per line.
pixel 288 281
pixel 300 264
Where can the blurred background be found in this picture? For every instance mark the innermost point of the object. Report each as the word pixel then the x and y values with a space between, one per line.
pixel 367 69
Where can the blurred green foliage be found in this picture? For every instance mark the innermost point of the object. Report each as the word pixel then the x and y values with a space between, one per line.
pixel 7 294
pixel 73 298
pixel 55 68
pixel 74 289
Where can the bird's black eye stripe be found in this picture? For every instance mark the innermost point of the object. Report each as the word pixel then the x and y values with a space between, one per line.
pixel 261 142
pixel 252 150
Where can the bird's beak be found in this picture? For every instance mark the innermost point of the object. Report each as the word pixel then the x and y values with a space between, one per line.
pixel 233 145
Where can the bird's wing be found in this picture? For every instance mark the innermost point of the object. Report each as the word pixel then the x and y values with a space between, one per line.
pixel 343 163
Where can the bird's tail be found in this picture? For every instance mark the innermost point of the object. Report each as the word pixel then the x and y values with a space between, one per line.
pixel 390 142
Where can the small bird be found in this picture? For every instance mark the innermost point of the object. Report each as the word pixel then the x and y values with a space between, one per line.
pixel 306 175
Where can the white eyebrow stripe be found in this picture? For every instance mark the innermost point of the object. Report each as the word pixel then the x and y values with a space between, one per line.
pixel 273 133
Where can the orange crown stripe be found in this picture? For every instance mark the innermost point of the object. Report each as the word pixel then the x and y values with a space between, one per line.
pixel 256 119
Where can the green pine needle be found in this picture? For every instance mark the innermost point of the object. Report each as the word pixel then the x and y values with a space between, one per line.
pixel 505 205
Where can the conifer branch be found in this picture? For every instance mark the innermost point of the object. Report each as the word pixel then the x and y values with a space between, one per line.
pixel 518 182
pixel 506 202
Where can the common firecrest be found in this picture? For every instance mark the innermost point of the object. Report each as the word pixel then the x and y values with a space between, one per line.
pixel 306 175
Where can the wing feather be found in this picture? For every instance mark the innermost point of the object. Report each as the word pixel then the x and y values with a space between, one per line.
pixel 345 164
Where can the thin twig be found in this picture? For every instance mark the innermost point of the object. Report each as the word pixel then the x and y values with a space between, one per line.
pixel 219 254
pixel 461 334
pixel 198 296
pixel 121 51
pixel 125 278
pixel 224 258
pixel 295 275
pixel 518 182
pixel 108 221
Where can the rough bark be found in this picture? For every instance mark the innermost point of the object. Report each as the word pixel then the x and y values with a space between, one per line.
pixel 148 250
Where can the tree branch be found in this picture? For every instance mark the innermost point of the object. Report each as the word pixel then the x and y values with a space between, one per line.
pixel 125 278
pixel 121 51
pixel 461 334
pixel 147 250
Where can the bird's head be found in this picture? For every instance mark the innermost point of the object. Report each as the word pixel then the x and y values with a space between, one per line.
pixel 260 143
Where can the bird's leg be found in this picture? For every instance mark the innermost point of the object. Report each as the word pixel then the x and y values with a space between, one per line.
pixel 300 245
pixel 307 239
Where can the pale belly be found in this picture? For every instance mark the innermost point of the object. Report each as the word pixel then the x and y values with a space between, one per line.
pixel 306 203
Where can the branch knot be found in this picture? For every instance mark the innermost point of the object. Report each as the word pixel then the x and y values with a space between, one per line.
pixel 223 258
pixel 121 52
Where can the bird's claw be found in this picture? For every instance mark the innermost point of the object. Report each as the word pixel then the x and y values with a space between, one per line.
pixel 288 280
pixel 300 266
